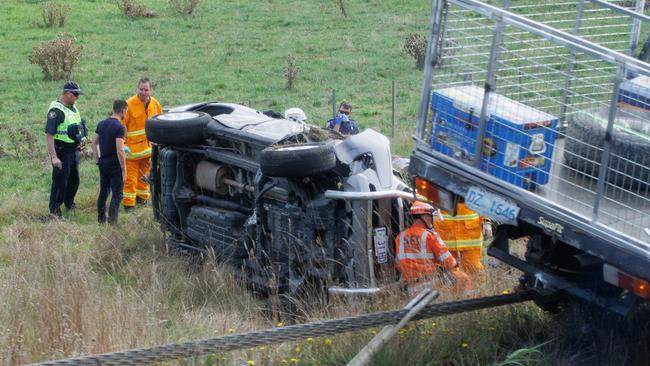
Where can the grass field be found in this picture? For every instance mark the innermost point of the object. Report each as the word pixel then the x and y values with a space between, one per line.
pixel 233 51
pixel 72 287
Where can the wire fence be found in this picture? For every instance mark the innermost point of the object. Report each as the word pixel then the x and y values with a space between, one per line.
pixel 232 342
pixel 334 101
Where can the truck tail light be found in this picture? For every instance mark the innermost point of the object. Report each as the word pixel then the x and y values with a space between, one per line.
pixel 439 197
pixel 626 281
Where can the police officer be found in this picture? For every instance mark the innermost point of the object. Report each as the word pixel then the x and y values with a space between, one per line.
pixel 64 131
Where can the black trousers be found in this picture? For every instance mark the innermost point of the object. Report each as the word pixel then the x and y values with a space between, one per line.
pixel 65 181
pixel 110 181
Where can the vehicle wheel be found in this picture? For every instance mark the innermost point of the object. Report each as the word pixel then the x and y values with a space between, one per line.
pixel 298 160
pixel 177 128
pixel 630 149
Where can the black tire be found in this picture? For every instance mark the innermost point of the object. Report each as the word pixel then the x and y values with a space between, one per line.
pixel 629 162
pixel 177 128
pixel 294 161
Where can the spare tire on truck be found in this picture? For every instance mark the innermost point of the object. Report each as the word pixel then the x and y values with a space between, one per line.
pixel 177 128
pixel 629 160
pixel 294 161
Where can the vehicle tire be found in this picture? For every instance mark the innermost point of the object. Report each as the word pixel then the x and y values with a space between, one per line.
pixel 629 160
pixel 177 128
pixel 302 160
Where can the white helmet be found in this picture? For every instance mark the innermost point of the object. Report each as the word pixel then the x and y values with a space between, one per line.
pixel 295 114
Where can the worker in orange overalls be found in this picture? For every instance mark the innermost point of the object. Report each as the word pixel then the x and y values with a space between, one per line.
pixel 141 107
pixel 422 257
pixel 463 235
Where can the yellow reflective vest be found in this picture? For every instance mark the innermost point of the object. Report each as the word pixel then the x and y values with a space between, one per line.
pixel 462 231
pixel 72 117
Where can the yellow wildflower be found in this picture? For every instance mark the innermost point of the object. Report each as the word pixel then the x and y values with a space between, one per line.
pixel 505 292
pixel 294 360
pixel 280 324
pixel 465 345
pixel 297 349
pixel 310 339
pixel 251 362
pixel 328 342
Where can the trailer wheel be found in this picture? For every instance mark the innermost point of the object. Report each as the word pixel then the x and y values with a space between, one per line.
pixel 177 128
pixel 629 162
pixel 294 161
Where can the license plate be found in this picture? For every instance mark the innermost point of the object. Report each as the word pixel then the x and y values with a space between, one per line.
pixel 381 244
pixel 492 205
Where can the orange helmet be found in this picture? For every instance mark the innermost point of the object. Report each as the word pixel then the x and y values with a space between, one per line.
pixel 421 208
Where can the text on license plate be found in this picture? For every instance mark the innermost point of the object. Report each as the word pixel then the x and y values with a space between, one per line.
pixel 491 205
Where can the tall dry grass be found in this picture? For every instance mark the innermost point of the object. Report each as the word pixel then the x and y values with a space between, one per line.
pixel 72 287
pixel 69 290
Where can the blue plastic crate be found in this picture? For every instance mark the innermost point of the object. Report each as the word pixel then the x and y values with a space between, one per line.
pixel 519 139
pixel 636 92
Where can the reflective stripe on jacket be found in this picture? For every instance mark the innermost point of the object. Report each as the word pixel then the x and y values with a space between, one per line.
pixel 72 117
pixel 462 231
pixel 134 121
pixel 420 252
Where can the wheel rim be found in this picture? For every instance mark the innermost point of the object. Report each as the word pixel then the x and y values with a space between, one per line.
pixel 296 148
pixel 178 116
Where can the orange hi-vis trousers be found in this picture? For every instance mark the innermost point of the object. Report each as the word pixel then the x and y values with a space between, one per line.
pixel 134 185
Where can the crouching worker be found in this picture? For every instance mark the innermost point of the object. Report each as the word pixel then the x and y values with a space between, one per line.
pixel 108 151
pixel 423 259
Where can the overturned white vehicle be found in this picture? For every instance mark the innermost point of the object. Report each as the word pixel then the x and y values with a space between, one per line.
pixel 290 206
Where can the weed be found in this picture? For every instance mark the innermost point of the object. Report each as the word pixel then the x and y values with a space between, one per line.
pixel 291 71
pixel 524 356
pixel 341 5
pixel 54 14
pixel 57 57
pixel 133 9
pixel 22 140
pixel 184 7
pixel 415 45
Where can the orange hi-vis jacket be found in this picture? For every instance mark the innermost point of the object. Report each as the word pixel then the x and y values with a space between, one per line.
pixel 460 232
pixel 420 252
pixel 136 116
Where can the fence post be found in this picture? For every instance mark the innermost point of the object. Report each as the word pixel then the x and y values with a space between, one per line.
pixel 394 102
pixel 604 159
pixel 333 103
pixel 490 86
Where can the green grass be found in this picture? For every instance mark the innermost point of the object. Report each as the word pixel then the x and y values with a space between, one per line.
pixel 232 51
pixel 74 287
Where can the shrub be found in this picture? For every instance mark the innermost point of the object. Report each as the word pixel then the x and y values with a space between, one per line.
pixel 184 7
pixel 416 46
pixel 54 14
pixel 57 57
pixel 291 72
pixel 132 9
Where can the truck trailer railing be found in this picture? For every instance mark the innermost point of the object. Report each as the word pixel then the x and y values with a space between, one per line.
pixel 487 66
